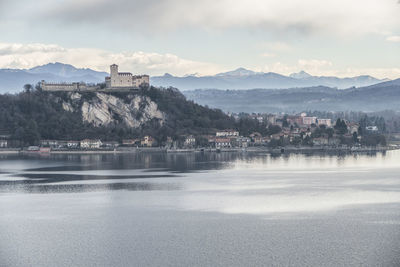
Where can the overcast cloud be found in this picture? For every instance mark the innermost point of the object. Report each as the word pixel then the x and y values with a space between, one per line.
pixel 181 37
pixel 306 16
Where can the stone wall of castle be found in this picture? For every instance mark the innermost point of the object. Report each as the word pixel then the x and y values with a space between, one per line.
pixel 69 87
pixel 140 79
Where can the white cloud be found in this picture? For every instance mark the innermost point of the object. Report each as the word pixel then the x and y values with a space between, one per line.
pixel 314 63
pixel 276 46
pixel 395 39
pixel 269 55
pixel 327 68
pixel 279 67
pixel 313 66
pixel 30 55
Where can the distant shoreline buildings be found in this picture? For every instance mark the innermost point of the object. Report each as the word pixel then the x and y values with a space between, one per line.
pixel 115 82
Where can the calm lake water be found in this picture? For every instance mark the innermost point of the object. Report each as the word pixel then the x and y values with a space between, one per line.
pixel 227 209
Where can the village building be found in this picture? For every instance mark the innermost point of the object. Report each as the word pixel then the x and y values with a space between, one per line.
pixel 295 120
pixel 190 141
pixel 49 143
pixel 62 144
pixel 271 119
pixel 73 144
pixel 110 144
pixel 256 138
pixel 309 120
pixel 352 127
pixel 90 144
pixel 147 141
pixel 3 143
pixel 227 133
pixel 326 122
pixel 371 128
pixel 241 141
pixel 222 142
pixel 321 141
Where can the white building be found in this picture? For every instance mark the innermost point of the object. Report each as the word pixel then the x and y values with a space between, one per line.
pixel 227 133
pixel 73 144
pixel 326 122
pixel 309 120
pixel 89 143
pixel 372 128
pixel 222 142
pixel 147 141
pixel 3 143
pixel 125 79
pixel 190 141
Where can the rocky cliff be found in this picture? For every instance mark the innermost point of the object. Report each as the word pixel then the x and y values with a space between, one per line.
pixel 100 109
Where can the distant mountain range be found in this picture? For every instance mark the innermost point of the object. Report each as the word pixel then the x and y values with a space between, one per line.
pixel 378 97
pixel 12 80
pixel 247 79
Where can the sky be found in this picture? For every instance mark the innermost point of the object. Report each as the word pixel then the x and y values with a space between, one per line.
pixel 325 38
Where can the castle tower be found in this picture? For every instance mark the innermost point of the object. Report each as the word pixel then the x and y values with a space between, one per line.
pixel 113 74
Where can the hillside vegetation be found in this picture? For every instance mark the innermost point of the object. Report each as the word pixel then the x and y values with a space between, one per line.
pixel 33 115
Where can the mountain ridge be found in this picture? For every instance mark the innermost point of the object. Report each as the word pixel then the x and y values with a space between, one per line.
pixel 379 97
pixel 242 78
pixel 13 80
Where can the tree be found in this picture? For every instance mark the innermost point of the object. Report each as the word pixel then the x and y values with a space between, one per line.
pixel 330 132
pixel 28 88
pixel 340 126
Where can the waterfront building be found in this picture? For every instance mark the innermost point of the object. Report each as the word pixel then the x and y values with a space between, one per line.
pixel 147 141
pixel 90 144
pixel 3 143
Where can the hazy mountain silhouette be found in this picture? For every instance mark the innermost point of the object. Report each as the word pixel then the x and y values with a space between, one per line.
pixel 12 80
pixel 378 97
pixel 246 79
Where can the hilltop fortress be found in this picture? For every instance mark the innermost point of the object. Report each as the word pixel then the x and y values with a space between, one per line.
pixel 117 81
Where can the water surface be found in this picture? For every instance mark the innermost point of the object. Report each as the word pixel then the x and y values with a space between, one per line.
pixel 227 209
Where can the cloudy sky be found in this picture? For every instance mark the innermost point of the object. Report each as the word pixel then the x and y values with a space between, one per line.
pixel 338 37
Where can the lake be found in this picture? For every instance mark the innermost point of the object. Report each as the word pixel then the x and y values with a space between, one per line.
pixel 200 209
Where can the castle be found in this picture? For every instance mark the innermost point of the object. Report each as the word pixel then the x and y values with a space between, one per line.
pixel 125 79
pixel 116 81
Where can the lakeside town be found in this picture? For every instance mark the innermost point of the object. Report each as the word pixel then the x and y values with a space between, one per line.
pixel 291 132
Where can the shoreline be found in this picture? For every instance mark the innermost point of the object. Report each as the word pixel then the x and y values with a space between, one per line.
pixel 207 150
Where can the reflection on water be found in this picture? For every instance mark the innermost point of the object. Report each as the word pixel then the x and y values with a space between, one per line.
pixel 42 173
pixel 205 209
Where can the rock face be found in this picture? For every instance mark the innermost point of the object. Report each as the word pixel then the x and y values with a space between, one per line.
pixel 105 109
